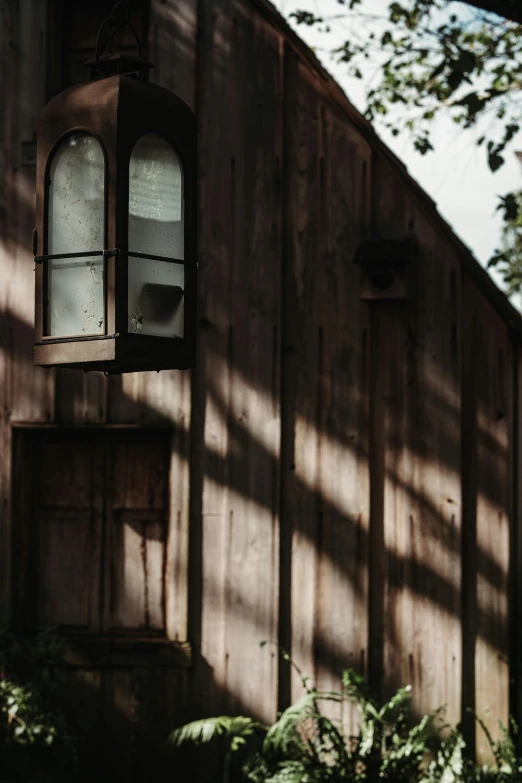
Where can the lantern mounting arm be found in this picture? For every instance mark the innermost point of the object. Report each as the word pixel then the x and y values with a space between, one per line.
pixel 116 22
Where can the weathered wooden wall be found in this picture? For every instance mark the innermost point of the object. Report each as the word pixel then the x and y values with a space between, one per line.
pixel 340 472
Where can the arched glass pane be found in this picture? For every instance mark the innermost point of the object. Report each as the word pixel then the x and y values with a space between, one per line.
pixel 156 228
pixel 76 225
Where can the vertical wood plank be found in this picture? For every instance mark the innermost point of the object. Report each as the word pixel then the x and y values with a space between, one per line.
pixel 422 497
pixel 25 393
pixel 252 579
pixel 237 380
pixel 469 397
pixel 7 245
pixel 206 620
pixel 377 456
pixel 341 612
pixel 301 357
pixel 486 395
pixel 80 398
pixel 493 506
pixel 31 387
pixel 325 449
pixel 515 612
pixel 172 46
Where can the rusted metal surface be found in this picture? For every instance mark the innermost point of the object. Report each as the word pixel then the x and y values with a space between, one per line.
pixel 335 474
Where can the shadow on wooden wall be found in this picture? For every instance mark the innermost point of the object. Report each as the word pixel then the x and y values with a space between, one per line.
pixel 344 467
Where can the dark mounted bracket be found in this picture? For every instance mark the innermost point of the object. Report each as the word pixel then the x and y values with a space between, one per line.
pixel 384 267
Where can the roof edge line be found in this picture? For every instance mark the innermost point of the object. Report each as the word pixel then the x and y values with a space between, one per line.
pixel 476 271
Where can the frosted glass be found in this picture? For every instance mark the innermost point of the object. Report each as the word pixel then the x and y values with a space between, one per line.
pixel 75 225
pixel 155 227
pixel 155 199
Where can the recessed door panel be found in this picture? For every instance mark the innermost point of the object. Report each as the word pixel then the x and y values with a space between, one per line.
pixel 99 530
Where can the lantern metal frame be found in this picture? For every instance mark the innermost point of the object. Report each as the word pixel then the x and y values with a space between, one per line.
pixel 117 111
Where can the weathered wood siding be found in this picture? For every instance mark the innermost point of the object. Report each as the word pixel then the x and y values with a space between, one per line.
pixel 418 618
pixel 325 370
pixel 340 473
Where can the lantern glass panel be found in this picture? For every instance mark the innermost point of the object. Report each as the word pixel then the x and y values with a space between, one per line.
pixel 76 211
pixel 156 227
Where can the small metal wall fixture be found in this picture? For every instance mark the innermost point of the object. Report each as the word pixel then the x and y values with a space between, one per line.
pixel 385 267
pixel 115 240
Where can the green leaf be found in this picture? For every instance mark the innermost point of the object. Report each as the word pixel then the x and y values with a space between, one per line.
pixel 422 144
pixel 495 161
pixel 306 18
pixel 200 732
pixel 284 737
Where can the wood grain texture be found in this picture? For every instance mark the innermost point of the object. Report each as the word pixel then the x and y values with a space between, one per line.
pixel 24 393
pixel 252 582
pixel 6 249
pixel 486 391
pixel 515 605
pixel 31 388
pixel 345 466
pixel 493 508
pixel 325 447
pixel 238 378
pixel 172 46
pixel 419 343
pixel 80 398
pixel 300 435
pixel 341 616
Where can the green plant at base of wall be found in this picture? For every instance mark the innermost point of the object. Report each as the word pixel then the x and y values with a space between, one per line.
pixel 306 746
pixel 34 745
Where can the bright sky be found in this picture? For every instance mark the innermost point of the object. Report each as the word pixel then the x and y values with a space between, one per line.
pixel 456 175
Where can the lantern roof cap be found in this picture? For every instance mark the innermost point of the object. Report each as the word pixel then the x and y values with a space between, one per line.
pixel 114 64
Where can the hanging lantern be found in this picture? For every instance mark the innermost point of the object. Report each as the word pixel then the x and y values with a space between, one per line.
pixel 115 240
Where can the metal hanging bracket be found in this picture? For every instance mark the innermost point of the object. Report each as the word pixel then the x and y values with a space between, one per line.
pixel 113 64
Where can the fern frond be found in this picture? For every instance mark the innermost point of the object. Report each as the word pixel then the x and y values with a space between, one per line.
pixel 487 732
pixel 200 732
pixel 356 688
pixel 399 702
pixel 255 769
pixel 506 754
pixel 285 736
pixel 291 772
pixel 448 766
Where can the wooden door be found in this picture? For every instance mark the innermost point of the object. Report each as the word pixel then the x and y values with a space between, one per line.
pixel 100 514
pixel 91 532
